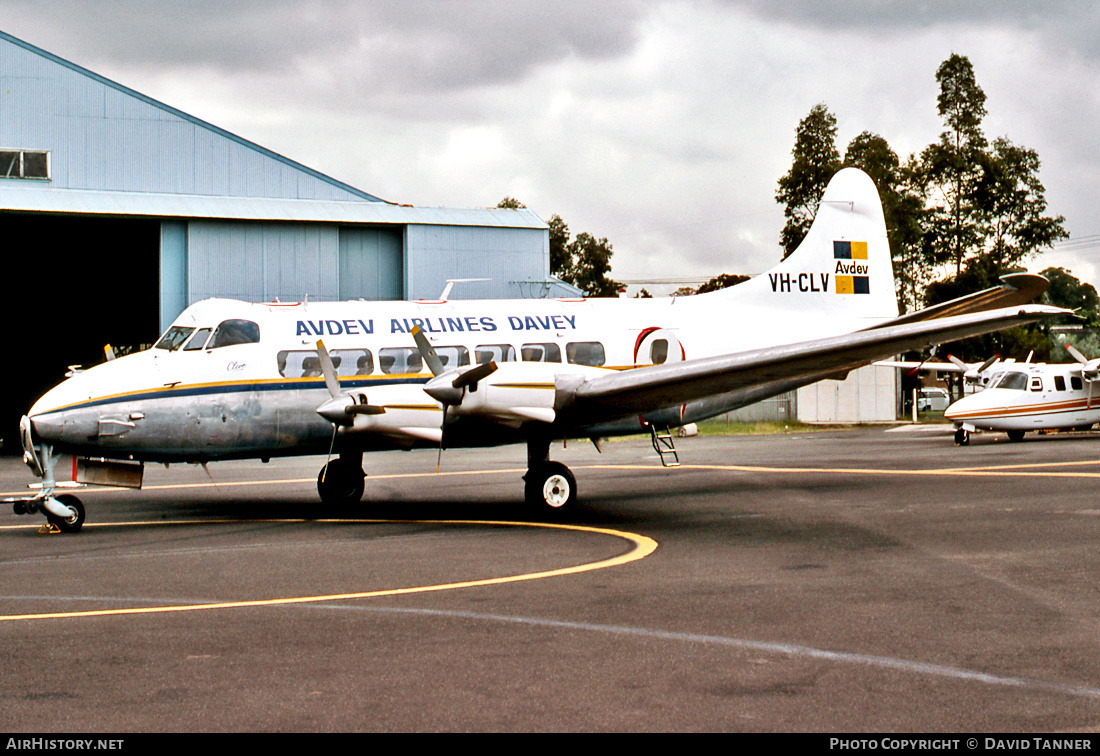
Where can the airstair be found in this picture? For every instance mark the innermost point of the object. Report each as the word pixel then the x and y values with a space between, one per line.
pixel 661 436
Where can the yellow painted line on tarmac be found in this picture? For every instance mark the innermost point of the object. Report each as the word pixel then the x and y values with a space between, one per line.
pixel 642 547
pixel 1022 470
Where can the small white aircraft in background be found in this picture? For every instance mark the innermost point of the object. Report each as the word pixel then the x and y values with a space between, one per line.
pixel 233 380
pixel 1022 397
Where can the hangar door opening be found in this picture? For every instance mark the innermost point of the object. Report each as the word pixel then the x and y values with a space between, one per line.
pixel 75 284
pixel 372 263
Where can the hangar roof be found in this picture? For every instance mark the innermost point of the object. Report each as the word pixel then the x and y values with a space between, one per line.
pixel 19 197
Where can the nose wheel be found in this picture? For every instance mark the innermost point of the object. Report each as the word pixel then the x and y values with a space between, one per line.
pixel 962 437
pixel 71 523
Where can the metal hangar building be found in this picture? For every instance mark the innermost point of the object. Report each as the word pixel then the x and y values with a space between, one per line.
pixel 118 211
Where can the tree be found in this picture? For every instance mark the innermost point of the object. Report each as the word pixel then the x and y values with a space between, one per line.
pixel 951 166
pixel 561 261
pixel 721 281
pixel 815 161
pixel 591 262
pixel 584 261
pixel 1066 290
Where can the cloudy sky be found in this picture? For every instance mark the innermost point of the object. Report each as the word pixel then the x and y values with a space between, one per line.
pixel 663 126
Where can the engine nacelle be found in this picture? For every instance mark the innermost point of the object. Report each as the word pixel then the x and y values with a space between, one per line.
pixel 511 394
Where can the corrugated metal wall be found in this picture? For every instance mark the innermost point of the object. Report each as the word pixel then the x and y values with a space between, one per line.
pixel 372 262
pixel 104 137
pixel 505 256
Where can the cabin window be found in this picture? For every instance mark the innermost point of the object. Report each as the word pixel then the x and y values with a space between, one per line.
pixel 494 353
pixel 540 353
pixel 1013 381
pixel 400 360
pixel 1059 383
pixel 1075 382
pixel 231 332
pixel 1036 384
pixel 452 356
pixel 173 337
pixel 658 351
pixel 307 364
pixel 198 340
pixel 585 353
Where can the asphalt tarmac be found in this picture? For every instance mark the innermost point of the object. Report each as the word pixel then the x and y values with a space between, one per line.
pixel 862 580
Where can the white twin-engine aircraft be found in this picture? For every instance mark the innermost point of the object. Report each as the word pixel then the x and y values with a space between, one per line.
pixel 234 380
pixel 1028 396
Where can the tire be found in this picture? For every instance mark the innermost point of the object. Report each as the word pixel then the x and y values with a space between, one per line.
pixel 340 484
pixel 72 523
pixel 1016 436
pixel 551 489
pixel 962 437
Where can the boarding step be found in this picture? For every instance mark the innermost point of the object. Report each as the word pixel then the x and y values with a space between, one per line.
pixel 664 445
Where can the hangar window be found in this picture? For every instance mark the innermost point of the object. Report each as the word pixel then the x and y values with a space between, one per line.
pixel 32 164
pixel 494 353
pixel 585 353
pixel 540 353
pixel 232 332
pixel 173 338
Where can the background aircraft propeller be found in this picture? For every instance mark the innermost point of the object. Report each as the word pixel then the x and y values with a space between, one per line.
pixel 1090 369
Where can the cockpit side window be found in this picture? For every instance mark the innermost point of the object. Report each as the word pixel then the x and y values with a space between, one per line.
pixel 173 337
pixel 197 341
pixel 231 332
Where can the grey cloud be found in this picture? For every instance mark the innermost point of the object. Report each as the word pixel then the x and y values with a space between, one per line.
pixel 420 45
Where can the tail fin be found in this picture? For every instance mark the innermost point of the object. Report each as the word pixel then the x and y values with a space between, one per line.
pixel 842 269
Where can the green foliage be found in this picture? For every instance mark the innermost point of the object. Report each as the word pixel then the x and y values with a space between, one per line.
pixel 721 281
pixel 584 261
pixel 815 161
pixel 1069 292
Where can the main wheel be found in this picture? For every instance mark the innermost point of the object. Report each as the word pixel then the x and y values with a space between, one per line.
pixel 72 523
pixel 962 437
pixel 1016 435
pixel 551 488
pixel 340 483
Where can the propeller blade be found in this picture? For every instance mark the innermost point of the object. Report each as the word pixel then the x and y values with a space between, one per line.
pixel 473 375
pixel 431 359
pixel 958 363
pixel 328 370
pixel 1076 354
pixel 989 362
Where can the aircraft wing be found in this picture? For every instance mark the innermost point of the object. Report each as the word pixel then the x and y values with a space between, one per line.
pixel 1015 289
pixel 788 366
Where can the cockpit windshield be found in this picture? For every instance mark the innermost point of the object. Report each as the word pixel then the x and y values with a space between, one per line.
pixel 231 332
pixel 1012 381
pixel 173 338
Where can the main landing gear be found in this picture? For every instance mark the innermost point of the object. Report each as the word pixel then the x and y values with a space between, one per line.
pixel 548 486
pixel 341 481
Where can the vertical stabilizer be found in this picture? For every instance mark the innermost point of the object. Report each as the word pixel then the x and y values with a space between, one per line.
pixel 842 269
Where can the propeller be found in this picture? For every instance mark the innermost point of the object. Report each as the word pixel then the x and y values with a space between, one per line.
pixel 970 372
pixel 1090 369
pixel 342 408
pixel 447 388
